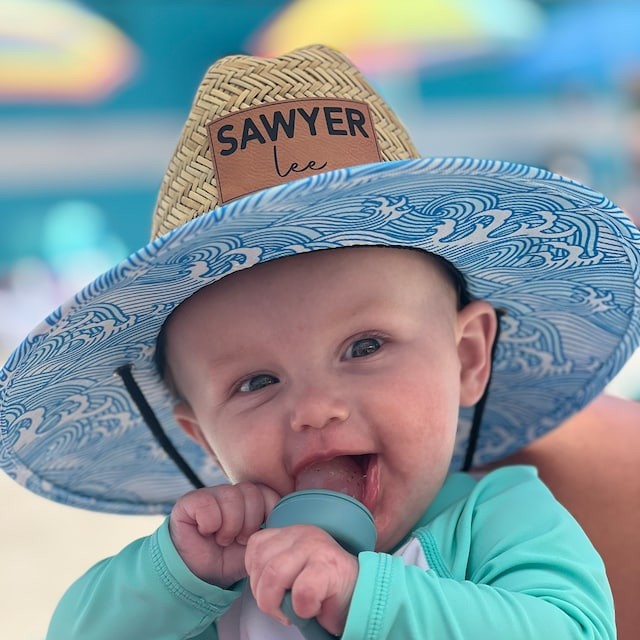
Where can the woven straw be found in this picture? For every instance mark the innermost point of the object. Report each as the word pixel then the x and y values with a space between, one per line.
pixel 235 83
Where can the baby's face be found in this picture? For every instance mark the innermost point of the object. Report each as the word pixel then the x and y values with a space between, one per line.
pixel 339 369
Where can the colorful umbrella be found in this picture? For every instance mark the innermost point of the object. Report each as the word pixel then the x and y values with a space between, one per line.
pixel 58 51
pixel 381 35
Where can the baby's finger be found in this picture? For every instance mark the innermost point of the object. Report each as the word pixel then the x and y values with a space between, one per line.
pixel 270 498
pixel 270 587
pixel 200 509
pixel 255 509
pixel 273 563
pixel 311 587
pixel 323 590
pixel 231 502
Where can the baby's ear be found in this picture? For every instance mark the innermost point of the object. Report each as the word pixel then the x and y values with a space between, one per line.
pixel 186 418
pixel 477 325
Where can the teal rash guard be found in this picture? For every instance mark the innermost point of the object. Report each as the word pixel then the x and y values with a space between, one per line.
pixel 495 558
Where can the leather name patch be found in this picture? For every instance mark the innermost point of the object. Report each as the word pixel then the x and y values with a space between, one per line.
pixel 271 144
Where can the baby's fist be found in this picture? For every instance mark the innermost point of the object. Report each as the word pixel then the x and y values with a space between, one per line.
pixel 210 528
pixel 307 561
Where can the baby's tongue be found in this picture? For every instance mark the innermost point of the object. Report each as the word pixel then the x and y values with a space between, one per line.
pixel 342 474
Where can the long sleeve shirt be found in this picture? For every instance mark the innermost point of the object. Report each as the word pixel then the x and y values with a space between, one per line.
pixel 496 558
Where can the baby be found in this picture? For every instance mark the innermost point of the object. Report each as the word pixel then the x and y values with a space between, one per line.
pixel 308 325
pixel 341 369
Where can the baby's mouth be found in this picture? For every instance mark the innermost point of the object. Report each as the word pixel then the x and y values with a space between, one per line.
pixel 345 474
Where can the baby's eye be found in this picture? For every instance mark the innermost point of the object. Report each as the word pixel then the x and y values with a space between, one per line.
pixel 254 383
pixel 363 347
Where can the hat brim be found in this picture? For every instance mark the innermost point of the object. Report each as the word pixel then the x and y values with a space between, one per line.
pixel 559 258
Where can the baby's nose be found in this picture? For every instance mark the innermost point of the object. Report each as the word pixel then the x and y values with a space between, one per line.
pixel 318 406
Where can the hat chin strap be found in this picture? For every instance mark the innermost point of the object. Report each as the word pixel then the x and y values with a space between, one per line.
pixel 162 439
pixel 478 410
pixel 155 427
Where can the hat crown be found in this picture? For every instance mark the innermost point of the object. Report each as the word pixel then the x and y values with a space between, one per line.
pixel 258 122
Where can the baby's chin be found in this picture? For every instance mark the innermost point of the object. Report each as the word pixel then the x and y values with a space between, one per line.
pixel 397 517
pixel 390 532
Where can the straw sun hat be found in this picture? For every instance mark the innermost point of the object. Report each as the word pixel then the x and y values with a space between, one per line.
pixel 292 154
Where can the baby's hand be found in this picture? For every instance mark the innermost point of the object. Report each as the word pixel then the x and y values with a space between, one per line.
pixel 210 528
pixel 306 560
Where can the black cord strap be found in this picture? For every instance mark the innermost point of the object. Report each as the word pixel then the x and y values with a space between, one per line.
pixel 154 425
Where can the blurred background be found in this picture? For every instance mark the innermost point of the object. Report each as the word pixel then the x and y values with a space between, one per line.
pixel 93 95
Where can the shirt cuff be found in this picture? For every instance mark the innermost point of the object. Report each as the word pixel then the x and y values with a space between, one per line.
pixel 369 603
pixel 179 578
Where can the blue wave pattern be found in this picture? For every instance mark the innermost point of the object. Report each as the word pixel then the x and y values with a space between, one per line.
pixel 561 260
